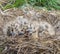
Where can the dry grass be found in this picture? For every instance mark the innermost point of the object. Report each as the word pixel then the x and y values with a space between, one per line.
pixel 25 44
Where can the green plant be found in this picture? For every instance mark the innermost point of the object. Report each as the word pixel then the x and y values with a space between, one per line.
pixel 45 3
pixel 14 3
pixel 18 3
pixel 49 4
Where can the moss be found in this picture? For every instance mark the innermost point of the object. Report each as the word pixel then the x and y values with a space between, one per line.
pixel 1 50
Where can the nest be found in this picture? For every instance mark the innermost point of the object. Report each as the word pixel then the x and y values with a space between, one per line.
pixel 29 42
pixel 23 45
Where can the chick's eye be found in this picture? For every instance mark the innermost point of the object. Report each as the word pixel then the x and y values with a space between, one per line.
pixel 24 22
pixel 46 26
pixel 57 27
